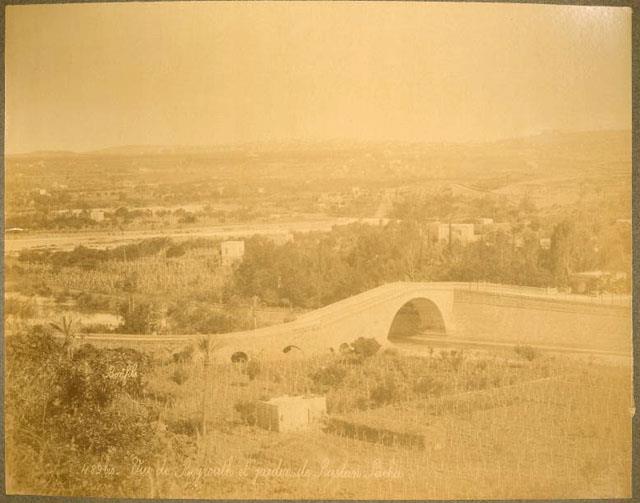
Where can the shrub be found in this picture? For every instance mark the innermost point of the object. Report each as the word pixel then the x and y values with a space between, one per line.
pixel 43 290
pixel 365 347
pixel 136 319
pixel 476 381
pixel 184 356
pixel 19 308
pixel 526 352
pixel 201 319
pixel 114 370
pixel 384 393
pixel 180 374
pixel 33 355
pixel 391 352
pixel 453 358
pixel 330 376
pixel 184 426
pixel 175 251
pixel 239 357
pixel 482 364
pixel 428 386
pixel 247 411
pixel 92 302
pixel 189 218
pixel 344 348
pixel 62 296
pixel 95 328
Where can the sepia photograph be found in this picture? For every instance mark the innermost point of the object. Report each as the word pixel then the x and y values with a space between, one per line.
pixel 318 250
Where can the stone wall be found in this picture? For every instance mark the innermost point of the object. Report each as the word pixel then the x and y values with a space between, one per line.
pixel 535 321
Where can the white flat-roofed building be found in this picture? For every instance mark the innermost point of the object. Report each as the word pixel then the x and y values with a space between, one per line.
pixel 231 251
pixel 462 233
pixel 545 243
pixel 291 413
pixel 96 215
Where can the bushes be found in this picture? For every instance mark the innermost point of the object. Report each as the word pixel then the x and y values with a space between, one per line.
pixel 329 376
pixel 359 350
pixel 385 392
pixel 427 386
pixel 387 378
pixel 202 319
pixel 175 251
pixel 180 374
pixel 365 347
pixel 65 411
pixel 247 411
pixel 184 425
pixel 453 358
pixel 92 302
pixel 526 352
pixel 89 258
pixel 184 356
pixel 378 380
pixel 476 381
pixel 95 328
pixel 32 363
pixel 19 308
pixel 137 318
pixel 114 370
pixel 391 352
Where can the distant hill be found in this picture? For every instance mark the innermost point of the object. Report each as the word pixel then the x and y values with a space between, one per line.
pixel 43 154
pixel 551 154
pixel 570 141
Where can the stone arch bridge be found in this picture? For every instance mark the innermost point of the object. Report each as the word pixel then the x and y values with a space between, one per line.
pixel 475 312
pixel 465 312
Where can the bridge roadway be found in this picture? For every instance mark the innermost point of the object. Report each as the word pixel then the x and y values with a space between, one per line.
pixel 396 312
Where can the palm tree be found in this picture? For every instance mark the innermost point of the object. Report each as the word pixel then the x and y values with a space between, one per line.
pixel 206 345
pixel 66 328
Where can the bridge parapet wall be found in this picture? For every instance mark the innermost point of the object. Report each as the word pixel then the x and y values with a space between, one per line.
pixel 549 303
pixel 523 319
pixel 511 315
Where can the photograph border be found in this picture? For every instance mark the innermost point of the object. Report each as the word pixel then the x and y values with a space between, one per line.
pixel 635 75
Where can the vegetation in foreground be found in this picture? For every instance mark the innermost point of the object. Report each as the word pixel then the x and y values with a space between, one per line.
pixel 100 421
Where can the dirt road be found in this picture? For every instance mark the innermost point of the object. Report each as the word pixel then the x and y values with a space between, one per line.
pixel 106 239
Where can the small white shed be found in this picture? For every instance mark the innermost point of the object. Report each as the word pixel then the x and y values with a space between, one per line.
pixel 231 251
pixel 290 413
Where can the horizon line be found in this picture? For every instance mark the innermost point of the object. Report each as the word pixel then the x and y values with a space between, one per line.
pixel 246 143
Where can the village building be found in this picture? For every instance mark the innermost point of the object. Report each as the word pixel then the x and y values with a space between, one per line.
pixel 290 413
pixel 462 233
pixel 96 215
pixel 231 252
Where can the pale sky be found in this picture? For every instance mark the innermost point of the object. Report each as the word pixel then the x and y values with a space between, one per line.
pixel 80 77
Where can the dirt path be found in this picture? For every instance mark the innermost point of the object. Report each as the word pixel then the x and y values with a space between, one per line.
pixel 105 239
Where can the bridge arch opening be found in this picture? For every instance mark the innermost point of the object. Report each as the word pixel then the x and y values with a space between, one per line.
pixel 419 316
